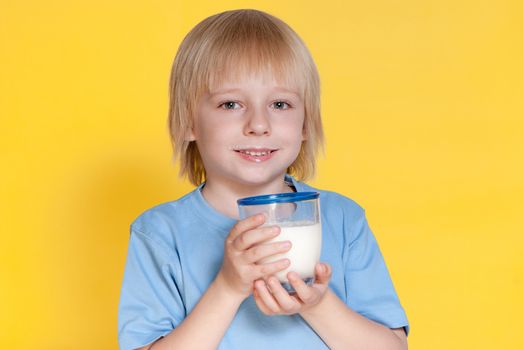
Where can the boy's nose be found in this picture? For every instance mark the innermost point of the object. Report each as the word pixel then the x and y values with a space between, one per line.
pixel 257 123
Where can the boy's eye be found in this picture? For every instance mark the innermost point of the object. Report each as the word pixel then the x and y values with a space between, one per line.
pixel 281 105
pixel 229 105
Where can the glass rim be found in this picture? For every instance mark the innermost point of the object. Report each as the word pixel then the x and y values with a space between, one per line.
pixel 289 197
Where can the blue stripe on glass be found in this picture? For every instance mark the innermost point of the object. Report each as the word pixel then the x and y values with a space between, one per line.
pixel 278 198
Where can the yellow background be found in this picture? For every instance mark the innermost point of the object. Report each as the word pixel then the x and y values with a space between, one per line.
pixel 422 107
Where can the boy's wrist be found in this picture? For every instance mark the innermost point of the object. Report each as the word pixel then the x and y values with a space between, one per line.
pixel 317 309
pixel 227 291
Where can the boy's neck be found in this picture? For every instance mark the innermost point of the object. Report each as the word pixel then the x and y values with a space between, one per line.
pixel 223 196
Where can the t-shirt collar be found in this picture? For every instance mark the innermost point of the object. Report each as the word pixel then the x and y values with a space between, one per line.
pixel 217 219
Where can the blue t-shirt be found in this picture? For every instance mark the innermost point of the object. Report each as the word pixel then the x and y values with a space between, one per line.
pixel 176 250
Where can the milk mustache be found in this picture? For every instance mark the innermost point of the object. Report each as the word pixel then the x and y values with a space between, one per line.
pixel 305 238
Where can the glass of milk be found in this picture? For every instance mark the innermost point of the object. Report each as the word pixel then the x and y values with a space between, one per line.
pixel 298 216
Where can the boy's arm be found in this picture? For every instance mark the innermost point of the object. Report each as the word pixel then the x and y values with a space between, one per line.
pixel 207 323
pixel 339 326
pixel 342 328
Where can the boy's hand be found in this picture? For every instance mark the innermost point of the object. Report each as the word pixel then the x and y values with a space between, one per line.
pixel 243 252
pixel 273 299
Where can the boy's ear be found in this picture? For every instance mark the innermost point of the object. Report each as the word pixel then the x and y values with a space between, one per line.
pixel 189 135
pixel 303 134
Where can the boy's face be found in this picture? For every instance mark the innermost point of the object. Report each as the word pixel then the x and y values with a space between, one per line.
pixel 248 131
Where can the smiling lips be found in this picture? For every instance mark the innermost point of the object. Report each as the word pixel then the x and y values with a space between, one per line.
pixel 256 154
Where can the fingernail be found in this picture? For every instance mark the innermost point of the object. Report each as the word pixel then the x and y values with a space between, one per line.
pixel 322 268
pixel 286 244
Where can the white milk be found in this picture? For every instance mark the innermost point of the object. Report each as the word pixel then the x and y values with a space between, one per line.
pixel 305 250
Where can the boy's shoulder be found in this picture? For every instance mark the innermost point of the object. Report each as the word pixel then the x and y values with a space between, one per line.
pixel 334 201
pixel 340 214
pixel 159 221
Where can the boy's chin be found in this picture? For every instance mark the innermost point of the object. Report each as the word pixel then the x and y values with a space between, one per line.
pixel 261 179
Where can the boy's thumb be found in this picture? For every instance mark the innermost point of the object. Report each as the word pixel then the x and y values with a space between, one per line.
pixel 323 272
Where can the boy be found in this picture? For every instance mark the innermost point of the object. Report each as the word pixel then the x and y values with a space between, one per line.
pixel 244 116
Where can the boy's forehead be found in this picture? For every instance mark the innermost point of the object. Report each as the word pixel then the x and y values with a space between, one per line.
pixel 232 81
pixel 238 86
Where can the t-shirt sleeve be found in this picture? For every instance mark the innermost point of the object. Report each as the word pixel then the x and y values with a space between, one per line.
pixel 151 303
pixel 369 288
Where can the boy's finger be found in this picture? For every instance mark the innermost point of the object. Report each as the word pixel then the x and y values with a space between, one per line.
pixel 282 297
pixel 257 235
pixel 271 268
pixel 245 225
pixel 323 273
pixel 267 302
pixel 304 292
pixel 261 251
pixel 263 308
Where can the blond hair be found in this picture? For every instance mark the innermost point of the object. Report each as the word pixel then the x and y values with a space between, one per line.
pixel 233 44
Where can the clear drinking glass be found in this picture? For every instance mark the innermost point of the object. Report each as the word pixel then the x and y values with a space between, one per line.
pixel 298 216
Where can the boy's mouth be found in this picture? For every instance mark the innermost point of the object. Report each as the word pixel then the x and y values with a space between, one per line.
pixel 256 154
